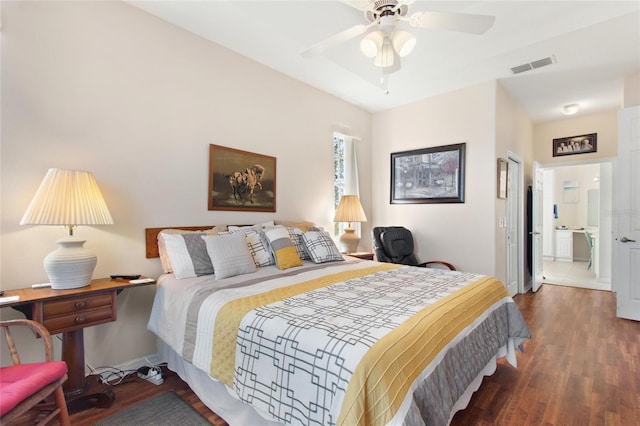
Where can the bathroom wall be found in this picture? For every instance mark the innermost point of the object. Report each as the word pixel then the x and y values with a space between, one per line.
pixel 570 193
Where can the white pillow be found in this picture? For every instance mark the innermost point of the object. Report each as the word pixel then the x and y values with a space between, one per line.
pixel 187 254
pixel 321 247
pixel 229 254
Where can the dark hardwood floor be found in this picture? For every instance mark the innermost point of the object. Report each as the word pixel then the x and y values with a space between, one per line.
pixel 582 367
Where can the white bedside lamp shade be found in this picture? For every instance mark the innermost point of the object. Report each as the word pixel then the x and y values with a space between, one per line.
pixel 350 210
pixel 69 198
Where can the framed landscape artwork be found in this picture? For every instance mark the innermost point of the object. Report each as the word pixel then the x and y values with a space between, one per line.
pixel 572 145
pixel 241 180
pixel 428 175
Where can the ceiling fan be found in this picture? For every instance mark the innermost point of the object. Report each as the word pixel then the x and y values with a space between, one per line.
pixel 387 44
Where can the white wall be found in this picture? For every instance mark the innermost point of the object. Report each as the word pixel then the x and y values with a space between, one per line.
pixel 105 87
pixel 573 214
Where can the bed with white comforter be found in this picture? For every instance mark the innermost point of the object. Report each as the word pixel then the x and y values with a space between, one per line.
pixel 352 342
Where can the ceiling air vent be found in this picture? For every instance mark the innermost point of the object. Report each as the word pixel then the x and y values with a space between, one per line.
pixel 533 65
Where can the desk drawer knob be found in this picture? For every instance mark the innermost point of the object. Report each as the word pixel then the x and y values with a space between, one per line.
pixel 80 304
pixel 80 320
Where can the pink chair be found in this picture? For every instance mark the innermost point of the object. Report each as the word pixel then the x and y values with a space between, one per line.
pixel 26 386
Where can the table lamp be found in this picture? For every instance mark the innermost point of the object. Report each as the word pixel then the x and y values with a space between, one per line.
pixel 69 198
pixel 349 210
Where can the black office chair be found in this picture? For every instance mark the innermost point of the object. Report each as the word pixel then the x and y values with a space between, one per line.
pixel 394 244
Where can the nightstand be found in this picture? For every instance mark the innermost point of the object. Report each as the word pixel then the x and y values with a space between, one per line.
pixel 69 312
pixel 362 255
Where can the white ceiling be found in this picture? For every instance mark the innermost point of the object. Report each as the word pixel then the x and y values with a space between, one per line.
pixel 595 45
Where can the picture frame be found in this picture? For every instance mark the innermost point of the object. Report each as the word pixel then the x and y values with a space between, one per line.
pixel 572 145
pixel 428 175
pixel 241 180
pixel 503 179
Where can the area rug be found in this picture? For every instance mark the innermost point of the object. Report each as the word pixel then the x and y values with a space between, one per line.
pixel 165 409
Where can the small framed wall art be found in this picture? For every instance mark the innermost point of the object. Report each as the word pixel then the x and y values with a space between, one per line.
pixel 582 144
pixel 241 180
pixel 503 178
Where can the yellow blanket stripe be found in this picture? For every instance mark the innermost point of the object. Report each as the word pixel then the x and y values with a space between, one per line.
pixel 230 315
pixel 385 374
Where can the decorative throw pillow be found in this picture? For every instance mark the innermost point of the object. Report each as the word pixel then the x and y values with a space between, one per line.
pixel 188 254
pixel 229 254
pixel 162 247
pixel 284 252
pixel 259 251
pixel 295 235
pixel 321 247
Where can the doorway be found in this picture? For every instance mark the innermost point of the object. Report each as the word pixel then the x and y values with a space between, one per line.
pixel 515 226
pixel 577 224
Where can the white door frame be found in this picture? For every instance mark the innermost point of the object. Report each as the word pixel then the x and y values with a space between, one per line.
pixel 520 242
pixel 536 228
pixel 605 237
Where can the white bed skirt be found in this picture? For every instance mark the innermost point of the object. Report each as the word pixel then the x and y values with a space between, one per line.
pixel 216 396
pixel 213 393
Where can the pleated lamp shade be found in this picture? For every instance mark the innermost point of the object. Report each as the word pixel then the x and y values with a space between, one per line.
pixel 69 198
pixel 349 210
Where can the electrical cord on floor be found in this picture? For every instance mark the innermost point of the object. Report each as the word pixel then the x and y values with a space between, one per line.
pixel 112 376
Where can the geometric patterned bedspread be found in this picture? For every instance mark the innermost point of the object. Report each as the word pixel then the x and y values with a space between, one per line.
pixel 347 343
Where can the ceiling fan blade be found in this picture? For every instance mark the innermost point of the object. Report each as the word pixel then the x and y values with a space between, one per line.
pixel 334 40
pixel 463 22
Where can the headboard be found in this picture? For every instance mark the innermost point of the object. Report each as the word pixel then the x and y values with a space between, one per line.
pixel 151 237
pixel 151 234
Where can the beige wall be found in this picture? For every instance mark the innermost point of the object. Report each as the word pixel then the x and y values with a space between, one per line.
pixel 492 125
pixel 105 87
pixel 514 133
pixel 604 124
pixel 451 232
pixel 631 91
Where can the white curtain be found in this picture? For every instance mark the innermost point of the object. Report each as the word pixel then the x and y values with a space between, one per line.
pixel 351 183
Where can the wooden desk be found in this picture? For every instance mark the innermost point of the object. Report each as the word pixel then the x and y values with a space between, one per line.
pixel 69 312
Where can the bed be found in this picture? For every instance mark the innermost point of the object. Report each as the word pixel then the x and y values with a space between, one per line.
pixel 292 332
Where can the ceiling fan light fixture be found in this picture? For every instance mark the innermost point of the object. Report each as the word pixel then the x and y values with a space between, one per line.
pixel 570 109
pixel 371 44
pixel 403 42
pixel 386 55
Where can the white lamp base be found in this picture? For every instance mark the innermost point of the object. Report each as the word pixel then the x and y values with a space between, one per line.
pixel 349 240
pixel 70 265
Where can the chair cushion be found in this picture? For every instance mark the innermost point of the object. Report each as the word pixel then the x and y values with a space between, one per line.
pixel 18 382
pixel 398 244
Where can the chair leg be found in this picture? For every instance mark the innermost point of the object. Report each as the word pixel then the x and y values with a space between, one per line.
pixel 58 394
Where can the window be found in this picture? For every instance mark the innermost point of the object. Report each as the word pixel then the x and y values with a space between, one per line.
pixel 345 169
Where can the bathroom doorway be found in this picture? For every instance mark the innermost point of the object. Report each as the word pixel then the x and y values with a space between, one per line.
pixel 577 223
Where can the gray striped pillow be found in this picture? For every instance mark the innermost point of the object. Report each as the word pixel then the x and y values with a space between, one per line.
pixel 229 254
pixel 188 255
